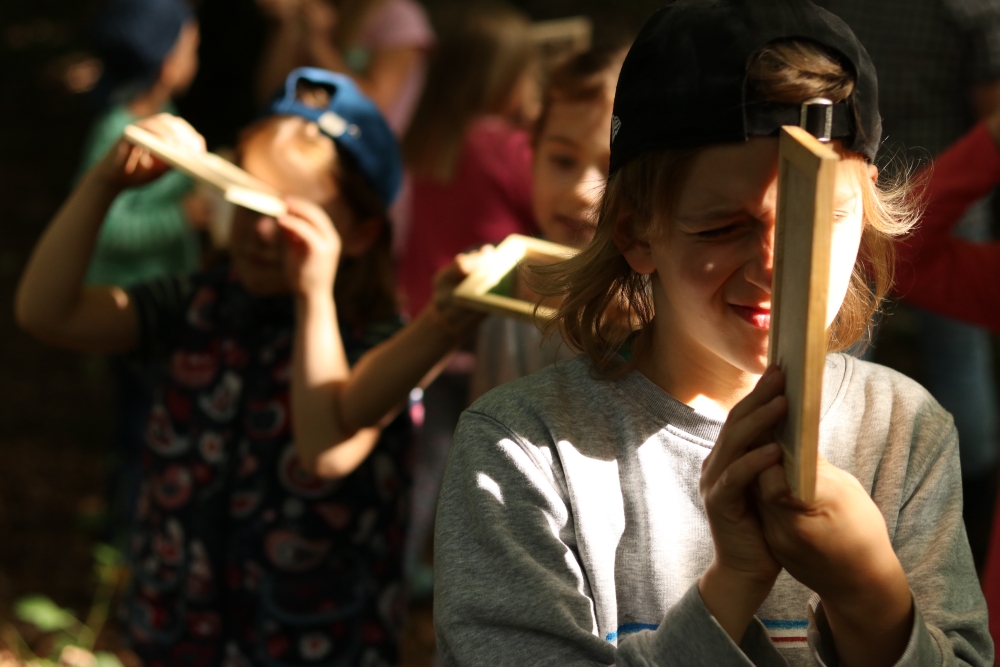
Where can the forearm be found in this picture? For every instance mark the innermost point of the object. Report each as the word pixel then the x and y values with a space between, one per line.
pixel 319 369
pixel 52 284
pixel 384 377
pixel 872 626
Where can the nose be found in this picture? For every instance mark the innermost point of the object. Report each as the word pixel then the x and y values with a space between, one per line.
pixel 267 229
pixel 588 189
pixel 760 268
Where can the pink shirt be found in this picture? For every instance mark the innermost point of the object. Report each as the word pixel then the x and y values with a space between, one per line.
pixel 397 24
pixel 488 199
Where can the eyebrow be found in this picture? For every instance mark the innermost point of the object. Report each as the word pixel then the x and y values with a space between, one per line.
pixel 560 139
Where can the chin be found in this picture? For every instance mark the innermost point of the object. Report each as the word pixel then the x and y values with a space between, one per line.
pixel 260 284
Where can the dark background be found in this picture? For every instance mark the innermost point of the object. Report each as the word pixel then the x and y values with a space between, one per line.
pixel 55 407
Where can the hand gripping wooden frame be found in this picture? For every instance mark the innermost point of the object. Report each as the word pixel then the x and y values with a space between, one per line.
pixel 807 172
pixel 235 185
pixel 497 286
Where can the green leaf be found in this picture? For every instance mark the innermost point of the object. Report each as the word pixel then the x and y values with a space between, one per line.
pixel 105 554
pixel 44 614
pixel 105 659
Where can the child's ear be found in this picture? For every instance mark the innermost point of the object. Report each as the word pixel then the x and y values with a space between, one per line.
pixel 636 251
pixel 361 237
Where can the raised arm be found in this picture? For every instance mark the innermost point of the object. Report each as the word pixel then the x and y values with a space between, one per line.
pixel 338 411
pixel 941 272
pixel 52 303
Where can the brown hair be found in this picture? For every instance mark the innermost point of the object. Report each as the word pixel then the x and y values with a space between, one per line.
pixel 364 289
pixel 585 77
pixel 484 51
pixel 351 17
pixel 606 301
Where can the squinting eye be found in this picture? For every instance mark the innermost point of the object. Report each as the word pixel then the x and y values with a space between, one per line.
pixel 718 232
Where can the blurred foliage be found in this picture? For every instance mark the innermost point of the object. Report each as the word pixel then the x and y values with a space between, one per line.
pixel 71 639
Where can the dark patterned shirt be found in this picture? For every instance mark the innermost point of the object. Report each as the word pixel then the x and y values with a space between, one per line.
pixel 240 555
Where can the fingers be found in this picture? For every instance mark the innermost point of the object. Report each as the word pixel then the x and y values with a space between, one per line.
pixel 300 231
pixel 740 434
pixel 736 479
pixel 468 261
pixel 772 485
pixel 770 384
pixel 175 130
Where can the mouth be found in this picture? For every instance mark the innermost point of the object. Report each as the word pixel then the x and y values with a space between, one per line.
pixel 756 316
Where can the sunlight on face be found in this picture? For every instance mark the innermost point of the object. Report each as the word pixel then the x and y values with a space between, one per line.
pixel 571 170
pixel 257 244
pixel 714 257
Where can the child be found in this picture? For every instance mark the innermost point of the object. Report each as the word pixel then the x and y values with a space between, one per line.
pixel 382 44
pixel 150 51
pixel 467 152
pixel 241 553
pixel 150 54
pixel 631 508
pixel 572 148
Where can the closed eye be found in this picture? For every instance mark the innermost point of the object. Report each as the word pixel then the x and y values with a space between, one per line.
pixel 718 232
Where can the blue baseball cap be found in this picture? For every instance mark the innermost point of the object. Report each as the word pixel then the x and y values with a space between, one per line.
pixel 133 37
pixel 353 122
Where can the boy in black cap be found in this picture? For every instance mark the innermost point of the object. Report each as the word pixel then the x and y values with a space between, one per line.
pixel 629 506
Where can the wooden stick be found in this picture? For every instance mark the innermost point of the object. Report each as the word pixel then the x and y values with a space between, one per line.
pixel 807 171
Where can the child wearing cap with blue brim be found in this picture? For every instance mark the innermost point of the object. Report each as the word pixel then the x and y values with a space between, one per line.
pixel 629 506
pixel 269 531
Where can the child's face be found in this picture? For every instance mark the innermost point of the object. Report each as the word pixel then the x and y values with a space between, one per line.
pixel 713 261
pixel 181 64
pixel 571 169
pixel 257 244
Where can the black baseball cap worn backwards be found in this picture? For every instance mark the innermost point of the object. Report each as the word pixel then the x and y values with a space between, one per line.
pixel 683 83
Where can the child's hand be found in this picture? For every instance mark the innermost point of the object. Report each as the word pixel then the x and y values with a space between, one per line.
pixel 127 165
pixel 312 248
pixel 744 449
pixel 453 317
pixel 837 545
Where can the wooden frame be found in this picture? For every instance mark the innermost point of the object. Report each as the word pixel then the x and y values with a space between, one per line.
pixel 492 286
pixel 235 185
pixel 807 171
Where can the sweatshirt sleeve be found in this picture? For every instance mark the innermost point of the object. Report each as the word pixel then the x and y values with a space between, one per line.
pixel 510 588
pixel 941 272
pixel 950 622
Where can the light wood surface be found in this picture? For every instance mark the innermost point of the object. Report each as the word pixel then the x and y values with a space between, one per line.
pixel 798 337
pixel 235 185
pixel 497 285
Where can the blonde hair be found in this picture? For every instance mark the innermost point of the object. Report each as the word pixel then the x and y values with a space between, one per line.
pixel 364 289
pixel 606 301
pixel 484 51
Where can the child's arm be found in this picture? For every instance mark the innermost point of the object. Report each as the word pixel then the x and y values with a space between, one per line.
pixel 52 302
pixel 337 411
pixel 941 272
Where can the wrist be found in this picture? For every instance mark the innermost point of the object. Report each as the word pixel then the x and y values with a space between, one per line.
pixel 880 598
pixel 733 597
pixel 318 302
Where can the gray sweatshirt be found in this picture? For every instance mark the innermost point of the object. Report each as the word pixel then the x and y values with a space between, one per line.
pixel 570 530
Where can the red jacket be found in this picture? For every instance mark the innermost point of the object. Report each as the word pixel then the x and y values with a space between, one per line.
pixel 943 273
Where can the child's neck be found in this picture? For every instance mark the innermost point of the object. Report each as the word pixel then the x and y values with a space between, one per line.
pixel 695 377
pixel 151 102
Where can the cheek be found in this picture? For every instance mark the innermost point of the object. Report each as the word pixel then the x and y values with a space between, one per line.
pixel 843 255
